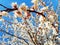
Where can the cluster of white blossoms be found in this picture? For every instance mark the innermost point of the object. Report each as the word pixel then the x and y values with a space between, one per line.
pixel 52 16
pixel 22 8
pixel 39 30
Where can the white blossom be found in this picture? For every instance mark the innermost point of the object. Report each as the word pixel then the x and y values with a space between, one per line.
pixel 48 24
pixel 3 13
pixel 23 7
pixel 17 13
pixel 44 9
pixel 41 19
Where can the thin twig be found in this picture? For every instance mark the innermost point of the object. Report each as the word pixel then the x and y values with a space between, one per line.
pixel 31 37
pixel 9 10
pixel 3 6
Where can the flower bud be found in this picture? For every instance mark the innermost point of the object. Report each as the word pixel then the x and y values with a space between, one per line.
pixel 23 7
pixel 14 5
pixel 18 13
pixel 35 4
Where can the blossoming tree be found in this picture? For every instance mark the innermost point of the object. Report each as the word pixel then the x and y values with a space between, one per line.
pixel 37 26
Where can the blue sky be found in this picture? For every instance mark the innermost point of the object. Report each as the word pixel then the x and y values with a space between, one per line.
pixel 8 2
pixel 28 2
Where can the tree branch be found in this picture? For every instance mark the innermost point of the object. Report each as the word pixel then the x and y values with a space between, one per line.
pixel 14 35
pixel 31 37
